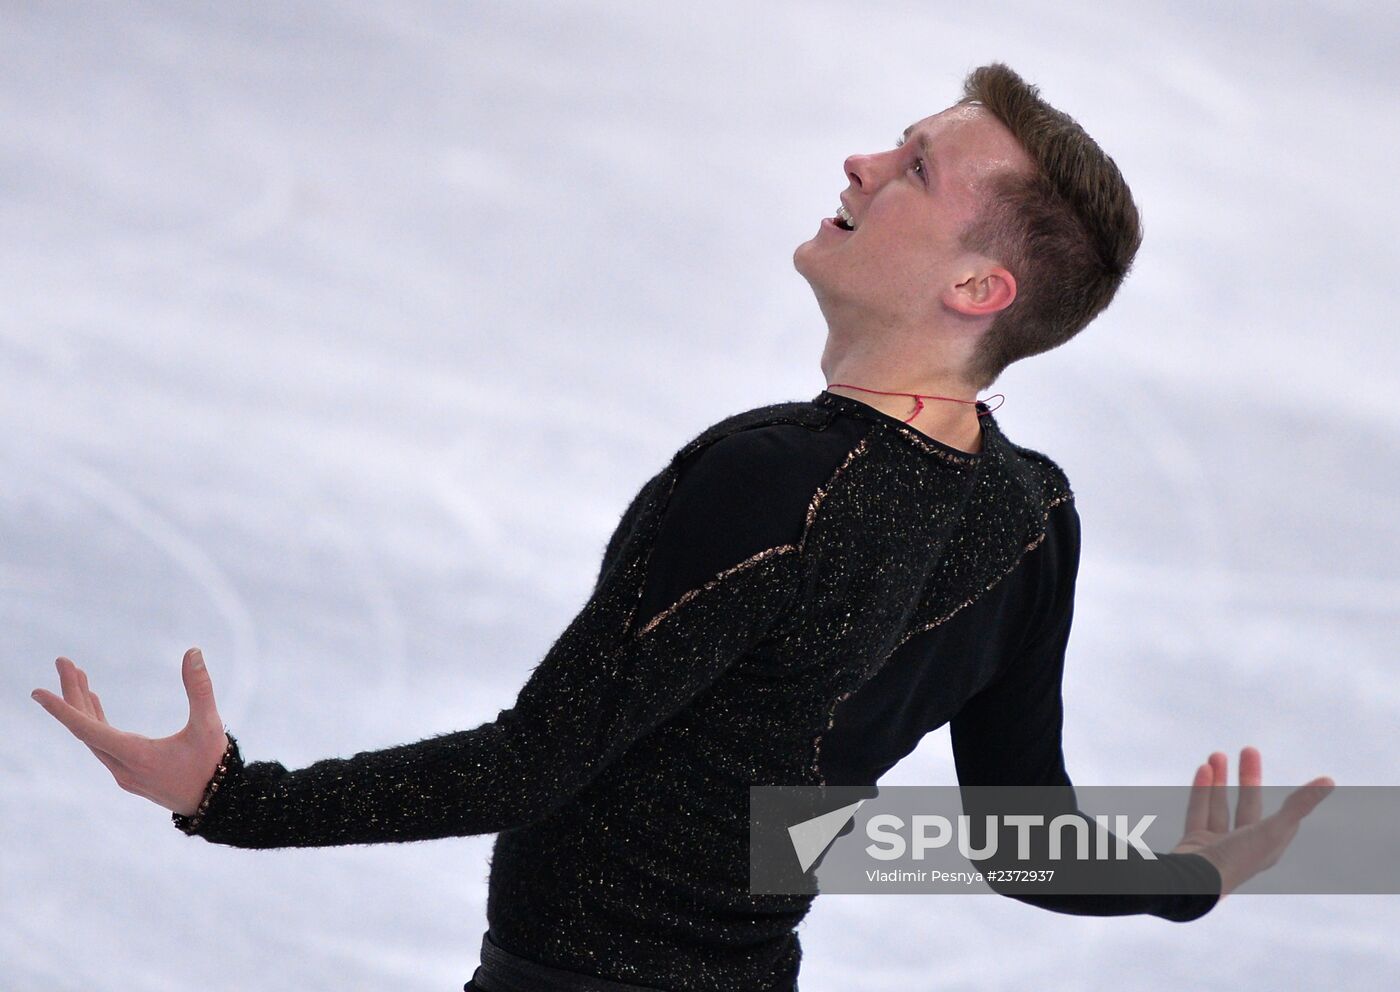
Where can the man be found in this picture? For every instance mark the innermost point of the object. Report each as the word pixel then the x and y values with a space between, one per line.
pixel 802 593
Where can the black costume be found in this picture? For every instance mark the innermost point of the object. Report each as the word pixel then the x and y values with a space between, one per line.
pixel 802 593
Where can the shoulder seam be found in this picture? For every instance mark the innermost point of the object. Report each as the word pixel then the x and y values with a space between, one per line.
pixel 690 594
pixel 860 448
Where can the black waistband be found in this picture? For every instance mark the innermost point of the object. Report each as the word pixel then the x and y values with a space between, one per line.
pixel 501 971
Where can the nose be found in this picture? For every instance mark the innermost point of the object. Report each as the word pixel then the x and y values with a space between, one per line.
pixel 865 171
pixel 856 166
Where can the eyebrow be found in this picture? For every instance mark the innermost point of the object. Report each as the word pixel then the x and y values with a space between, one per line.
pixel 927 150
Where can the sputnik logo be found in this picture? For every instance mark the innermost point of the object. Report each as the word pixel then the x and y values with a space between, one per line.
pixel 811 838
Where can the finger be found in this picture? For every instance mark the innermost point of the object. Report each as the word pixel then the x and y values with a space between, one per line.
pixel 1219 820
pixel 88 708
pixel 1282 827
pixel 200 689
pixel 91 732
pixel 1304 799
pixel 1251 802
pixel 97 705
pixel 1198 806
pixel 68 683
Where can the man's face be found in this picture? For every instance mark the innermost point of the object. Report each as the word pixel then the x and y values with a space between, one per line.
pixel 910 204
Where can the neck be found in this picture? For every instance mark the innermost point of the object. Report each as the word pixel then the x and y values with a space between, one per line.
pixel 952 423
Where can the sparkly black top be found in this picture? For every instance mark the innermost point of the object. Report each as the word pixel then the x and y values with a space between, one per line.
pixel 800 595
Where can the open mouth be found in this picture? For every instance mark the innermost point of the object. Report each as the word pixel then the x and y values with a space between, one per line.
pixel 840 222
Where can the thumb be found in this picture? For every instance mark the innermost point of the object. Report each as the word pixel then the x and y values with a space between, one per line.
pixel 199 687
pixel 1304 799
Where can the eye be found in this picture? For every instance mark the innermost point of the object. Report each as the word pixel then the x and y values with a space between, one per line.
pixel 918 165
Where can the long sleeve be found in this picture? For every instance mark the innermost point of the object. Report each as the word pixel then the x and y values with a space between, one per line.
pixel 595 694
pixel 1010 734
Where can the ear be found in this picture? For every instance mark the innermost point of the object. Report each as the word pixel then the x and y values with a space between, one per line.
pixel 981 293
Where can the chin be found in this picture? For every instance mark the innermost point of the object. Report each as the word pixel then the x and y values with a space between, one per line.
pixel 800 260
pixel 797 254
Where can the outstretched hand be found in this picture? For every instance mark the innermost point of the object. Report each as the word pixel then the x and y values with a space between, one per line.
pixel 169 771
pixel 1255 844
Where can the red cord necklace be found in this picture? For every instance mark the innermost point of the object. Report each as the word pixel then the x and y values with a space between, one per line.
pixel 920 397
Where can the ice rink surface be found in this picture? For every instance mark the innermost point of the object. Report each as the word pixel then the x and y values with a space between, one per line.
pixel 336 337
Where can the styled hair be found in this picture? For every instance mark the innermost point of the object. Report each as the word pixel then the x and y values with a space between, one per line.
pixel 1068 232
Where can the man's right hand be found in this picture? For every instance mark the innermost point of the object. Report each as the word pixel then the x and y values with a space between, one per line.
pixel 169 771
pixel 1254 844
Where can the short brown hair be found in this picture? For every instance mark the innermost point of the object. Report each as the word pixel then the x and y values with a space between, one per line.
pixel 1068 232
